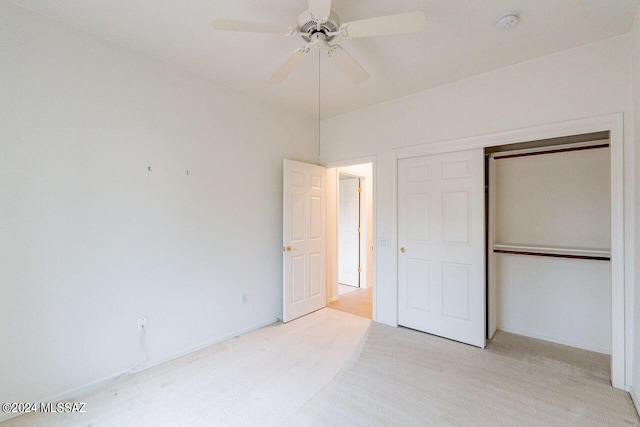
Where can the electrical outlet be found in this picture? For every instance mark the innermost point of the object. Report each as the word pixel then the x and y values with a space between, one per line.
pixel 243 298
pixel 142 324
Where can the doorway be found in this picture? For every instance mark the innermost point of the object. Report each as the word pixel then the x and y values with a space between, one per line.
pixel 349 229
pixel 350 239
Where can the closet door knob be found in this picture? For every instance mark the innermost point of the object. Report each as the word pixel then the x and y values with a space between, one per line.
pixel 402 249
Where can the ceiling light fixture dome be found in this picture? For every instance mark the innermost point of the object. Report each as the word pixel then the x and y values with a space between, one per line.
pixel 507 21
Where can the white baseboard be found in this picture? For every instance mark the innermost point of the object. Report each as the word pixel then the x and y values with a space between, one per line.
pixel 85 389
pixel 634 398
pixel 332 299
pixel 393 323
pixel 556 340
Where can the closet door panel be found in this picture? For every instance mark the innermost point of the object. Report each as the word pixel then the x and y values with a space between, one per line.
pixel 440 237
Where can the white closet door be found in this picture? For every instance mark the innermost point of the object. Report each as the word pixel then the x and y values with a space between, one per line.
pixel 441 270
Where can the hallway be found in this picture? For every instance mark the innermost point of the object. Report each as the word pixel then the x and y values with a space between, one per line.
pixel 357 301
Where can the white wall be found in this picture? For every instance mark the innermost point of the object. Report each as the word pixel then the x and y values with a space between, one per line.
pixel 567 301
pixel 557 200
pixel 92 240
pixel 588 81
pixel 635 56
pixel 560 199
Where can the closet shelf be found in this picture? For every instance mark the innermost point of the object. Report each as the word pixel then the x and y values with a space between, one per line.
pixel 553 251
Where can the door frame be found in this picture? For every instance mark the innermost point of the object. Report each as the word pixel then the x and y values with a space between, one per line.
pixel 332 244
pixel 613 123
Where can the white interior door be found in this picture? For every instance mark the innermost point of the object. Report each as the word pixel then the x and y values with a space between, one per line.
pixel 349 232
pixel 304 241
pixel 441 270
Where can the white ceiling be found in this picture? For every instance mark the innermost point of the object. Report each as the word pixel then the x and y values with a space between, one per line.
pixel 460 41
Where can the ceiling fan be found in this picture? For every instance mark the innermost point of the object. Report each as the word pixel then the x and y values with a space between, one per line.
pixel 319 25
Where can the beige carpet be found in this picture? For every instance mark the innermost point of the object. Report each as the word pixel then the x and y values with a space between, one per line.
pixel 259 379
pixel 333 368
pixel 407 378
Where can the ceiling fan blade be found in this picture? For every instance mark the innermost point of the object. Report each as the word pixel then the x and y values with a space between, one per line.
pixel 404 23
pixel 288 66
pixel 320 9
pixel 251 27
pixel 347 64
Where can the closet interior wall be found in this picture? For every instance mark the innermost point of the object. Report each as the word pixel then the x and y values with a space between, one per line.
pixel 549 234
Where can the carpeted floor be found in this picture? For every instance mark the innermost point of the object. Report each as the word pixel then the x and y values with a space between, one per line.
pixel 333 368
pixel 408 378
pixel 259 378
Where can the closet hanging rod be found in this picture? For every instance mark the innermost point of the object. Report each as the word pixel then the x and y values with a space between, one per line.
pixel 570 253
pixel 548 150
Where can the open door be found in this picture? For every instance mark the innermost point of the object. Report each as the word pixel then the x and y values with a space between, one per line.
pixel 441 239
pixel 304 242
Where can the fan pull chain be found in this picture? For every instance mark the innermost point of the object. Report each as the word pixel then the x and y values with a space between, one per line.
pixel 319 105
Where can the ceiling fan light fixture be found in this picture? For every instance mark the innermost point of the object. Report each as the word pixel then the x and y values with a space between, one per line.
pixel 308 25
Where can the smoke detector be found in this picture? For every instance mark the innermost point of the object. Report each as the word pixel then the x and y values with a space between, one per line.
pixel 507 21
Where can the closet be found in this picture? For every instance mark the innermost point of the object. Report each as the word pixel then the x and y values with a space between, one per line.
pixel 549 239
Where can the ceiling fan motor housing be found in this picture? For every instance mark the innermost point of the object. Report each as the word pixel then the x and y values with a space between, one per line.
pixel 308 25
